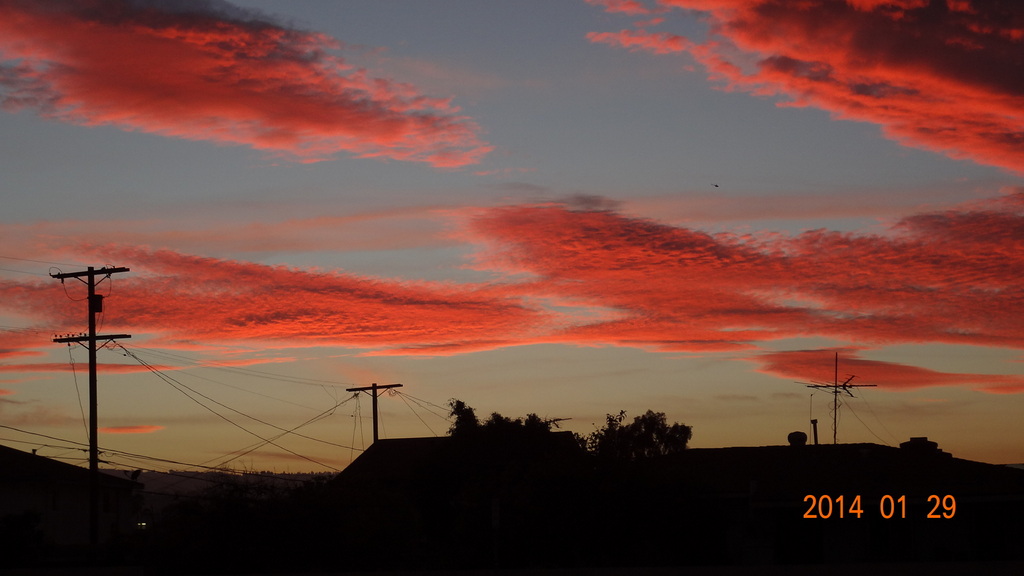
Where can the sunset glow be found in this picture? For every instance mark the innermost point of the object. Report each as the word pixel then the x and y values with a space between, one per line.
pixel 692 206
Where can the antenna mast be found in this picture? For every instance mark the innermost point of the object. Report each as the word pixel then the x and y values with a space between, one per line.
pixel 835 389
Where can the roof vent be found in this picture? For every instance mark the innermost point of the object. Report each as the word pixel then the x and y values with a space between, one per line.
pixel 797 438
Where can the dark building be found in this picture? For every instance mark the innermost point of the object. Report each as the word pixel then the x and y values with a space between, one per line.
pixel 442 502
pixel 44 505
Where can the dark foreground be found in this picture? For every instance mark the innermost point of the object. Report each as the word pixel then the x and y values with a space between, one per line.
pixel 931 569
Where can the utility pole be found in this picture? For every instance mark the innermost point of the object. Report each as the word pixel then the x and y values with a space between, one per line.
pixel 835 388
pixel 373 390
pixel 95 302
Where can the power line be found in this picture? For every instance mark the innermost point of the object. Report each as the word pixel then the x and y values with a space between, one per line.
pixel 167 377
pixel 40 261
pixel 78 391
pixel 239 388
pixel 41 444
pixel 854 412
pixel 879 420
pixel 357 420
pixel 23 272
pixel 43 435
pixel 110 451
pixel 316 418
pixel 244 371
pixel 420 402
pixel 179 387
pixel 24 329
pixel 417 414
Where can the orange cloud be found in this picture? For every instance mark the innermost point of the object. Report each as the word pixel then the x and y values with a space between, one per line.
pixel 942 76
pixel 209 71
pixel 811 366
pixel 130 429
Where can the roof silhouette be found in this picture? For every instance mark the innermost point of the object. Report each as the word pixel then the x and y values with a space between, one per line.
pixel 550 504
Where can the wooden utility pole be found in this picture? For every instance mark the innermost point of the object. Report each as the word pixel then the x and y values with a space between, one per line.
pixel 373 390
pixel 95 302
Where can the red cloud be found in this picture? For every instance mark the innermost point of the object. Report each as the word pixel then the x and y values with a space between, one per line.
pixel 130 429
pixel 54 367
pixel 208 71
pixel 18 343
pixel 632 7
pixel 593 277
pixel 658 43
pixel 946 277
pixel 190 299
pixel 813 365
pixel 943 76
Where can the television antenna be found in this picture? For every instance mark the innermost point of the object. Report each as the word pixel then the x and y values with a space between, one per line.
pixel 836 388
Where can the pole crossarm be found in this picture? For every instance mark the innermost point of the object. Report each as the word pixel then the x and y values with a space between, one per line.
pixel 92 272
pixel 374 391
pixel 373 387
pixel 98 337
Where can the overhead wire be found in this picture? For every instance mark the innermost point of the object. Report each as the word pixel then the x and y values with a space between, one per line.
pixel 239 412
pixel 38 261
pixel 23 272
pixel 402 396
pixel 424 403
pixel 65 287
pixel 357 422
pixel 182 388
pixel 78 391
pixel 240 388
pixel 48 437
pixel 244 371
pixel 316 418
pixel 43 444
pixel 120 453
pixel 879 420
pixel 854 412
pixel 23 329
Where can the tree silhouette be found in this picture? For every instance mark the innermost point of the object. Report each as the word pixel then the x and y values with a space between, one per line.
pixel 648 435
pixel 465 422
pixel 464 418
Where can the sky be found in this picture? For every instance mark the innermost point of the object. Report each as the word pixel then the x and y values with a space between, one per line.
pixel 564 208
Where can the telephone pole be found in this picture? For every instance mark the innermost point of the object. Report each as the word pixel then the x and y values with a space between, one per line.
pixel 95 302
pixel 373 389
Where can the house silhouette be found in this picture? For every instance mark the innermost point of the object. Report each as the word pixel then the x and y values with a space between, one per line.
pixel 44 506
pixel 451 503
